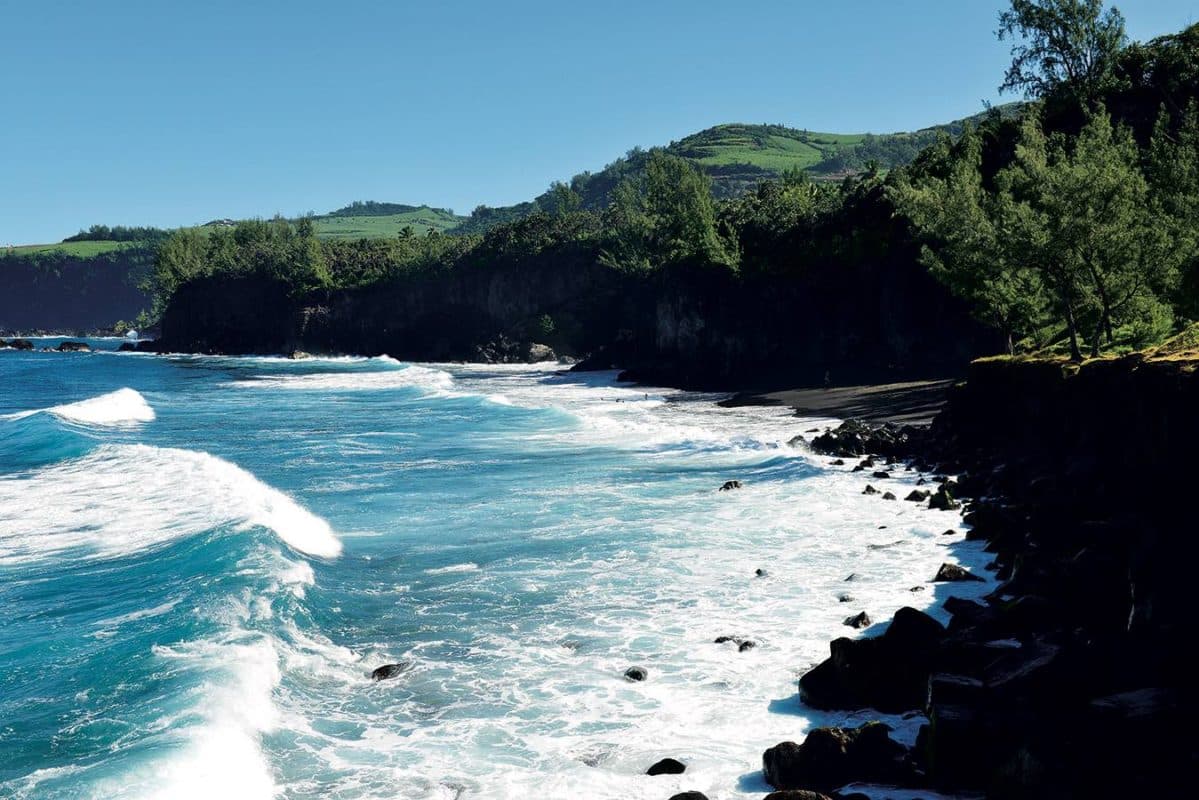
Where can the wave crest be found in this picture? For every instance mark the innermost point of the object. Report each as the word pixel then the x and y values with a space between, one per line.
pixel 121 407
pixel 120 499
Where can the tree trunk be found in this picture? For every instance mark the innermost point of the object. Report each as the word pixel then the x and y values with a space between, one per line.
pixel 1075 353
pixel 1097 339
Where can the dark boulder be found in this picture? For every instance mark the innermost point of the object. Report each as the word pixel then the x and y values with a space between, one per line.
pixel 888 672
pixel 667 766
pixel 889 496
pixel 950 573
pixel 388 671
pixel 20 344
pixel 859 620
pixel 845 598
pixel 74 347
pixel 127 347
pixel 760 573
pixel 832 757
pixel 917 496
pixel 881 475
pixel 748 644
pixel 689 796
pixel 636 674
pixel 943 500
pixel 869 490
pixel 796 794
pixel 838 462
pixel 730 486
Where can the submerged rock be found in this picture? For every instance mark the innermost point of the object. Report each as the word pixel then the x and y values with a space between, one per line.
pixel 636 674
pixel 859 620
pixel 943 500
pixel 889 496
pixel 388 671
pixel 667 766
pixel 950 573
pixel 730 486
pixel 869 490
pixel 74 347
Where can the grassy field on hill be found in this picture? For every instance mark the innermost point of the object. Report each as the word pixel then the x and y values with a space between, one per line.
pixel 339 226
pixel 86 249
pixel 769 147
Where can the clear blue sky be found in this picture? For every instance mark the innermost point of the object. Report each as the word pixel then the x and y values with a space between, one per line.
pixel 173 113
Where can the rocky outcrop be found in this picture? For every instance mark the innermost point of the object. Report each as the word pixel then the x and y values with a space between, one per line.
pixel 889 672
pixel 74 347
pixel 832 757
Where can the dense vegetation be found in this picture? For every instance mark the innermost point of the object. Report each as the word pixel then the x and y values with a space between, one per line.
pixel 1077 226
pixel 119 233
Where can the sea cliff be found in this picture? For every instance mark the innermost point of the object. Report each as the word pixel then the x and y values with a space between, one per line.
pixel 691 327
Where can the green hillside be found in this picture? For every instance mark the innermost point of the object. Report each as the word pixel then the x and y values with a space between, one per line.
pixel 365 220
pixel 83 249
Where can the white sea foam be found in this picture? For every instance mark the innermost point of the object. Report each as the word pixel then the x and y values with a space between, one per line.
pixel 432 380
pixel 122 407
pixel 467 567
pixel 120 499
pixel 537 707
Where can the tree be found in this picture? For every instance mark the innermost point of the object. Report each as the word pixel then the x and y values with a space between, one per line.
pixel 968 243
pixel 665 216
pixel 561 199
pixel 1061 42
pixel 1081 213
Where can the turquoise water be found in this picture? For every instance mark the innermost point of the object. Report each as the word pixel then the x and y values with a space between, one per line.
pixel 203 558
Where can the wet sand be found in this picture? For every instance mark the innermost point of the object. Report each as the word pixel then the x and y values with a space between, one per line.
pixel 911 403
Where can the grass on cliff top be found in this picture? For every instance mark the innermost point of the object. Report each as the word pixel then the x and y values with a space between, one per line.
pixel 77 249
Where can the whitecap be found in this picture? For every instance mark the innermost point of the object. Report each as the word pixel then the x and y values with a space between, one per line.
pixel 120 499
pixel 121 407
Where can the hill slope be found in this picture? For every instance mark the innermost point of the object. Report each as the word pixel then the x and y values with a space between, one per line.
pixel 737 156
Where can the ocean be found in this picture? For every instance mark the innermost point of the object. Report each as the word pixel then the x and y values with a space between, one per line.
pixel 202 559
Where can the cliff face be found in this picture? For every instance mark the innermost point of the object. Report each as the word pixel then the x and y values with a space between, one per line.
pixel 56 291
pixel 1080 476
pixel 694 327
